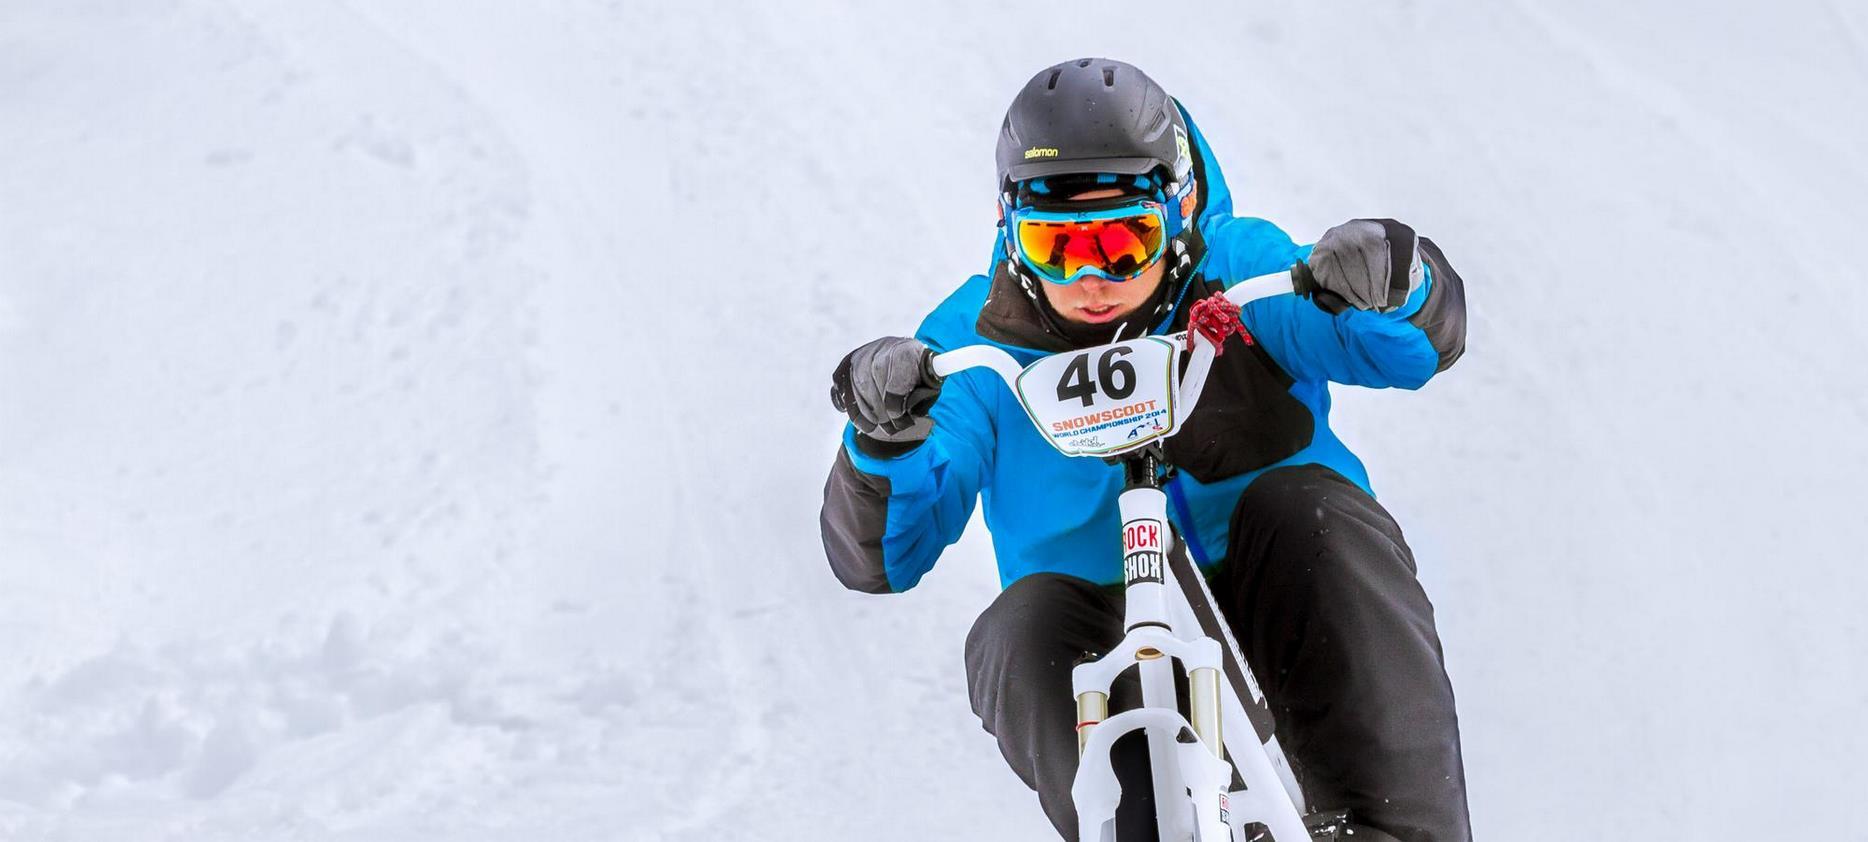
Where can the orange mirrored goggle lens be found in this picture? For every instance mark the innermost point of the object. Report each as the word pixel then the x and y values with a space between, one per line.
pixel 1115 247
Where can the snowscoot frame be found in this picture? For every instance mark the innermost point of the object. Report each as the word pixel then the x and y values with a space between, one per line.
pixel 1133 402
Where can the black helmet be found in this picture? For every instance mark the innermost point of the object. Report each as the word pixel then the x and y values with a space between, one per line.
pixel 1092 115
pixel 1098 115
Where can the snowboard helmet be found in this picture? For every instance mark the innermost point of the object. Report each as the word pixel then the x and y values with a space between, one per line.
pixel 1097 116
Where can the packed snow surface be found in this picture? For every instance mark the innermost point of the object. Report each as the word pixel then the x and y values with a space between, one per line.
pixel 413 415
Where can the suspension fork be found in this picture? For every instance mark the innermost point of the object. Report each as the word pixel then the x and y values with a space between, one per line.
pixel 1146 542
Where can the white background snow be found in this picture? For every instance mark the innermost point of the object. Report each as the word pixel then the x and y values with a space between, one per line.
pixel 413 419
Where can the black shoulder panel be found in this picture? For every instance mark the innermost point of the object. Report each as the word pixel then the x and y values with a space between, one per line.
pixel 1247 418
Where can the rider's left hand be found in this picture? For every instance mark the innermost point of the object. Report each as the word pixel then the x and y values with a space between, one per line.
pixel 1368 264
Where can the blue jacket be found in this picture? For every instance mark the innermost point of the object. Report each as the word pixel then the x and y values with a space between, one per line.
pixel 886 518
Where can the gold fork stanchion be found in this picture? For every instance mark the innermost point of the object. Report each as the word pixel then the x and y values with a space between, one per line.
pixel 1203 687
pixel 1092 708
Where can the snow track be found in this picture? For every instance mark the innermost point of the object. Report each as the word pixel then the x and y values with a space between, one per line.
pixel 412 416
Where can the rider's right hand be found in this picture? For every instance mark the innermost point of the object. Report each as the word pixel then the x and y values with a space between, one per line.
pixel 887 388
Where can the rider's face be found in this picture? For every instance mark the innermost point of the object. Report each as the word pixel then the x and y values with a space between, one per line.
pixel 1094 301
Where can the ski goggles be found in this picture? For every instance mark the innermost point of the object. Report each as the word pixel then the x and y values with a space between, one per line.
pixel 1113 243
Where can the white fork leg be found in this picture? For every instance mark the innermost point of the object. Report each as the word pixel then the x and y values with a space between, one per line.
pixel 1158 691
pixel 1096 791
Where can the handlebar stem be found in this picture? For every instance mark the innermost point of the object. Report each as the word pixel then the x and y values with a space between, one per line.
pixel 1142 469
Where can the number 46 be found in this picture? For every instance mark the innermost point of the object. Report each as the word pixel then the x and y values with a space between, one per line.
pixel 1116 375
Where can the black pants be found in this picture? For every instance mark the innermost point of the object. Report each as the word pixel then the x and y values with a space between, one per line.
pixel 1320 589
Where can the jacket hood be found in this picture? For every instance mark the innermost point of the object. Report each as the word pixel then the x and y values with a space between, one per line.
pixel 1011 317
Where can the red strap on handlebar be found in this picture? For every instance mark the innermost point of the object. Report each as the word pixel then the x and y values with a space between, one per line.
pixel 1215 318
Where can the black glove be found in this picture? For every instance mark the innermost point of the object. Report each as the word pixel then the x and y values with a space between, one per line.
pixel 887 387
pixel 1368 264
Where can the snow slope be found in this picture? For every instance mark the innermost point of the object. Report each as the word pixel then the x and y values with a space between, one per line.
pixel 412 414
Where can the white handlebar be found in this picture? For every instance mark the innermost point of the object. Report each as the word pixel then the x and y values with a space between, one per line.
pixel 1263 286
pixel 977 356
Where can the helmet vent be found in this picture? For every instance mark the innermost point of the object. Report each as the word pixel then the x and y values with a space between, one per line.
pixel 1109 77
pixel 1052 85
pixel 1083 62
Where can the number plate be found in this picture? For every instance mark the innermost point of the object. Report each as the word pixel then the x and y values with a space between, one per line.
pixel 1105 400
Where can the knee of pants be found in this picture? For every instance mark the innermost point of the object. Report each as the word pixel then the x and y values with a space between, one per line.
pixel 1311 517
pixel 1034 633
pixel 1316 564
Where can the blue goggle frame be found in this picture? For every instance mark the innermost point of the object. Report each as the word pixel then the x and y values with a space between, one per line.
pixel 1172 224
